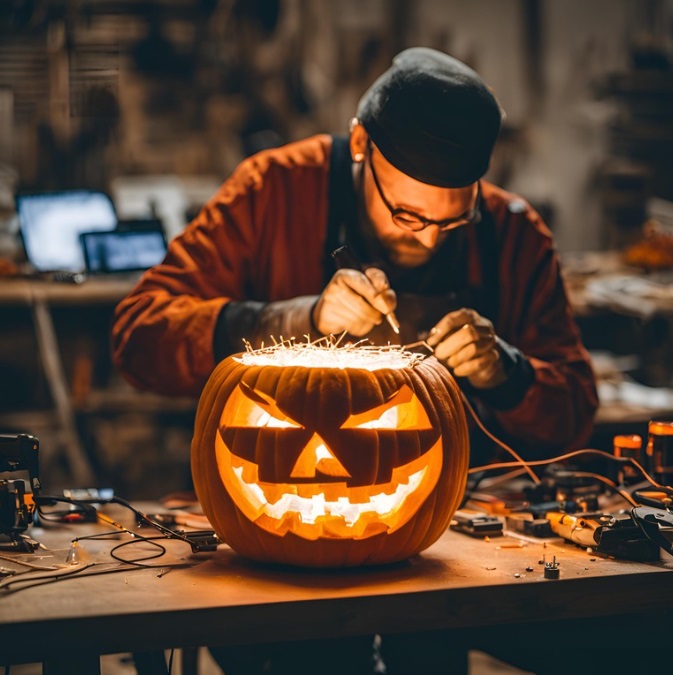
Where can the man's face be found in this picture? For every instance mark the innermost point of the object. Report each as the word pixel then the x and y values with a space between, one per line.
pixel 406 248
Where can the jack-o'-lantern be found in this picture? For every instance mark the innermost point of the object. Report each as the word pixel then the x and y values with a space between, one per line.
pixel 329 456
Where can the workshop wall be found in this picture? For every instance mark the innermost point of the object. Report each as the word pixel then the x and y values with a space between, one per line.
pixel 94 91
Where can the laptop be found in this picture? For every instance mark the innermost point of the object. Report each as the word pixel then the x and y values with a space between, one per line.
pixel 50 224
pixel 120 252
pixel 70 234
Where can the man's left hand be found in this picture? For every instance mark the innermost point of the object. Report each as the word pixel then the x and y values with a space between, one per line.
pixel 465 342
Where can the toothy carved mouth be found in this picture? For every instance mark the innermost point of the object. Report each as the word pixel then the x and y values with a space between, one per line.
pixel 330 510
pixel 311 508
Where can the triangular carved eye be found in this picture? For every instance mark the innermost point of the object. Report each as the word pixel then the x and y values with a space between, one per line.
pixel 257 409
pixel 402 411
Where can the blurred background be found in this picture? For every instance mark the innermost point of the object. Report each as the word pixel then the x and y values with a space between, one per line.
pixel 154 102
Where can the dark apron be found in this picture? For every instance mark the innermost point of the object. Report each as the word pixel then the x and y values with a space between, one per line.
pixel 424 294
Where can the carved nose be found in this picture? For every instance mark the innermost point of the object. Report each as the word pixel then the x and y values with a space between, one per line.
pixel 317 457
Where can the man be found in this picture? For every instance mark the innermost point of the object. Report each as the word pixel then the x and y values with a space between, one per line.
pixel 461 263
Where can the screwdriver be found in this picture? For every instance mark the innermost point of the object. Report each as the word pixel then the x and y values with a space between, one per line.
pixel 346 258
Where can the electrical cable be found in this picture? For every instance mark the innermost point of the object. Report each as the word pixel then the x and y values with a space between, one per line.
pixel 487 483
pixel 519 460
pixel 664 501
pixel 664 498
pixel 140 561
pixel 86 507
pixel 81 508
pixel 172 534
pixel 611 484
pixel 45 578
pixel 136 538
pixel 568 455
pixel 635 498
pixel 32 582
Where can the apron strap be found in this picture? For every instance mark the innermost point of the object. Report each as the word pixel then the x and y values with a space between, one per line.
pixel 487 240
pixel 341 200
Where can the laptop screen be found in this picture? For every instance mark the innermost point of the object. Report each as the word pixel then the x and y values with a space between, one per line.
pixel 106 252
pixel 50 225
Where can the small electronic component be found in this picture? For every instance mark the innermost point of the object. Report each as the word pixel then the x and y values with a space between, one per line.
pixel 17 497
pixel 628 447
pixel 552 569
pixel 476 524
pixel 618 535
pixel 200 541
pixel 660 450
pixel 526 523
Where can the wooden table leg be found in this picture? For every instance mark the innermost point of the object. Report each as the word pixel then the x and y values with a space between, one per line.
pixel 47 343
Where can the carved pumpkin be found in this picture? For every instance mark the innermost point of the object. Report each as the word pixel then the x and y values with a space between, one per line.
pixel 327 456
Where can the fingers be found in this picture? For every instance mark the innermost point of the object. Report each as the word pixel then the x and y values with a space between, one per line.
pixel 461 336
pixel 466 343
pixel 354 301
pixel 452 321
pixel 383 297
pixel 477 365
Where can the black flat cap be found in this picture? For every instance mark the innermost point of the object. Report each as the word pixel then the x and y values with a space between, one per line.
pixel 432 118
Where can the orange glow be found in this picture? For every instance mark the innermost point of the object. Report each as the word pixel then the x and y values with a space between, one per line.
pixel 631 442
pixel 322 509
pixel 660 428
pixel 325 456
pixel 329 510
pixel 316 458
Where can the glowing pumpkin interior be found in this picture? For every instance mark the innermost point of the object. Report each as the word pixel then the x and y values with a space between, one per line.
pixel 337 460
pixel 326 456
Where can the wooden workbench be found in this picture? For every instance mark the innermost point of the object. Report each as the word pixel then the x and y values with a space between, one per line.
pixel 461 585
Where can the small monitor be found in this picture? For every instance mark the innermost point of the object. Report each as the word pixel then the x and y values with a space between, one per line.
pixel 113 252
pixel 50 224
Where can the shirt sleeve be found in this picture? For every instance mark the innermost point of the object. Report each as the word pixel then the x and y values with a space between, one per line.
pixel 162 334
pixel 260 239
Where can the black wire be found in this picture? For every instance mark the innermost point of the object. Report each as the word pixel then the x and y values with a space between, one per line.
pixel 82 508
pixel 65 576
pixel 172 534
pixel 654 502
pixel 86 507
pixel 45 578
pixel 100 535
pixel 136 539
pixel 139 561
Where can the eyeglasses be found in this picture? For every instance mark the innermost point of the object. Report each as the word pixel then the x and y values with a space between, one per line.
pixel 413 222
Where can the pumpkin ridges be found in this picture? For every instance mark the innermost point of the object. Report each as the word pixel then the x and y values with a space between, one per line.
pixel 452 431
pixel 364 397
pixel 201 461
pixel 292 382
pixel 266 380
pixel 417 536
pixel 438 393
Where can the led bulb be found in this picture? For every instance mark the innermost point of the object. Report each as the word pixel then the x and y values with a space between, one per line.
pixel 73 554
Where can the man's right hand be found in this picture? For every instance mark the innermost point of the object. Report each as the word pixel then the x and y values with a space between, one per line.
pixel 354 301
